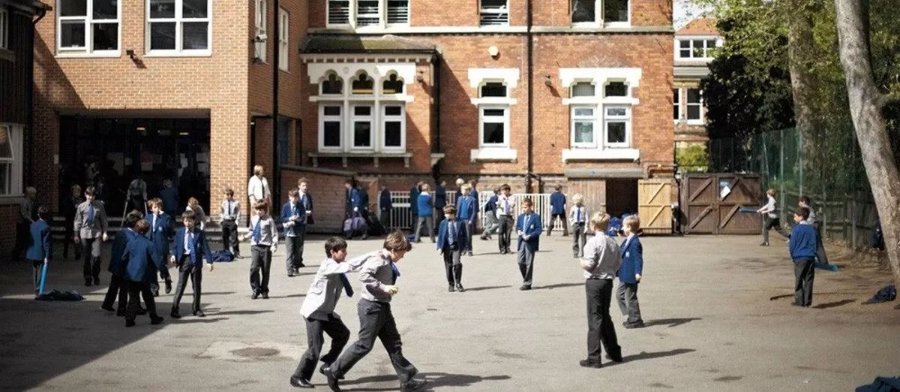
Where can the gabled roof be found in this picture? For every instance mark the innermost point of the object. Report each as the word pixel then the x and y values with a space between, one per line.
pixel 363 44
pixel 701 26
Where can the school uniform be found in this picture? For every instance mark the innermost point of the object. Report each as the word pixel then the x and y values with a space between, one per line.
pixel 579 216
pixel 440 201
pixel 803 252
pixel 528 244
pixel 467 212
pixel 626 294
pixel 318 313
pixel 376 321
pixel 600 263
pixel 199 215
pixel 169 197
pixel 490 213
pixel 820 246
pixel 118 284
pixel 772 220
pixel 363 204
pixel 263 240
pixel 68 207
pixel 385 204
pixel 453 240
pixel 27 216
pixel 162 229
pixel 189 249
pixel 142 263
pixel 292 216
pixel 231 212
pixel 505 209
pixel 39 249
pixel 425 209
pixel 306 201
pixel 413 206
pixel 558 211
pixel 258 190
pixel 90 225
pixel 354 202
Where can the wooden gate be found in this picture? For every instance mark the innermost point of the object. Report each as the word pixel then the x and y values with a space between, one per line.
pixel 655 205
pixel 712 203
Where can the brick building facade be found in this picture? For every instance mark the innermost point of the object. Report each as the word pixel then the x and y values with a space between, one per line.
pixel 694 44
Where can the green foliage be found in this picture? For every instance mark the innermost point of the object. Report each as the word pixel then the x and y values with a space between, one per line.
pixel 693 158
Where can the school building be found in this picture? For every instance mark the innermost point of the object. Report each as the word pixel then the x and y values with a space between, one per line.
pixel 694 44
pixel 530 93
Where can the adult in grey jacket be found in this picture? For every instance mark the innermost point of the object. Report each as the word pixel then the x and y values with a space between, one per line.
pixel 90 232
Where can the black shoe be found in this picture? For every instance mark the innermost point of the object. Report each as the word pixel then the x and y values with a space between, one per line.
pixel 470 253
pixel 168 286
pixel 199 313
pixel 291 274
pixel 459 288
pixel 636 324
pixel 141 312
pixel 332 380
pixel 155 291
pixel 255 295
pixel 96 281
pixel 265 295
pixel 615 358
pixel 764 243
pixel 107 308
pixel 174 314
pixel 590 363
pixel 413 385
pixel 525 287
pixel 155 320
pixel 129 323
pixel 300 266
pixel 451 288
pixel 300 383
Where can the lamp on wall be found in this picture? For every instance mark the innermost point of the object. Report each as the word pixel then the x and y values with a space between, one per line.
pixel 130 53
pixel 548 81
pixel 494 51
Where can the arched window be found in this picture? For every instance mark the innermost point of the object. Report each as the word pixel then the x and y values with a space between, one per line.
pixel 392 85
pixel 332 84
pixel 363 84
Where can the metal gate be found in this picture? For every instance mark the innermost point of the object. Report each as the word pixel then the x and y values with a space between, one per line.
pixel 712 203
pixel 655 205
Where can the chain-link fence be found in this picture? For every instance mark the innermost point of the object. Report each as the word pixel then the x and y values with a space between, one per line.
pixel 824 166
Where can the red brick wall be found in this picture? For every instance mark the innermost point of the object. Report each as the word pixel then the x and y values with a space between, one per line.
pixel 9 215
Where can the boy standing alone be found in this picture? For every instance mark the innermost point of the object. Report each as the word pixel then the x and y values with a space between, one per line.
pixel 529 228
pixel 630 274
pixel 600 263
pixel 803 252
pixel 190 247
pixel 263 242
pixel 452 241
pixel 90 231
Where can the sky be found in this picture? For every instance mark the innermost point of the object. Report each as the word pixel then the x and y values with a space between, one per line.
pixel 683 12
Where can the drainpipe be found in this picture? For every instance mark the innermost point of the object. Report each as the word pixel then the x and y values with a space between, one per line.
pixel 436 94
pixel 530 39
pixel 29 97
pixel 276 171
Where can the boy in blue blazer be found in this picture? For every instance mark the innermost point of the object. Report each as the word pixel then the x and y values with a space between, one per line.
pixel 630 273
pixel 190 247
pixel 467 212
pixel 425 211
pixel 803 253
pixel 558 211
pixel 529 228
pixel 39 249
pixel 142 264
pixel 118 286
pixel 162 229
pixel 453 239
pixel 293 216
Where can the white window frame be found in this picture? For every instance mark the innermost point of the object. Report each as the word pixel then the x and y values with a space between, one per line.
pixel 261 21
pixel 284 39
pixel 353 16
pixel 676 103
pixel 601 10
pixel 580 119
pixel 339 119
pixel 691 48
pixel 4 28
pixel 385 118
pixel 505 122
pixel 14 164
pixel 597 15
pixel 88 20
pixel 608 119
pixel 687 105
pixel 179 21
pixel 379 14
pixel 387 7
pixel 351 7
pixel 482 11
pixel 354 118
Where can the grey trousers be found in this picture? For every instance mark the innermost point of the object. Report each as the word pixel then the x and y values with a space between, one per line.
pixel 428 223
pixel 260 266
pixel 453 265
pixel 91 267
pixel 315 340
pixel 492 224
pixel 805 273
pixel 600 327
pixel 375 321
pixel 578 239
pixel 470 228
pixel 194 274
pixel 626 296
pixel 294 247
pixel 525 258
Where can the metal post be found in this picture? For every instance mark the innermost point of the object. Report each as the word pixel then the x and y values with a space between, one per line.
pixel 781 172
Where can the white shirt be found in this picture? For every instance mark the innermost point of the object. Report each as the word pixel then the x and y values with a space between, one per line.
pixel 769 208
pixel 602 257
pixel 505 206
pixel 258 189
pixel 578 214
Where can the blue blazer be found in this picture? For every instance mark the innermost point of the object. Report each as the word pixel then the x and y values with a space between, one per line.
pixel 307 201
pixel 161 234
pixel 491 204
pixel 803 242
pixel 440 197
pixel 424 205
pixel 116 262
pixel 466 209
pixel 632 261
pixel 413 199
pixel 462 236
pixel 169 198
pixel 143 261
pixel 200 247
pixel 557 203
pixel 354 199
pixel 286 216
pixel 384 199
pixel 533 231
pixel 39 248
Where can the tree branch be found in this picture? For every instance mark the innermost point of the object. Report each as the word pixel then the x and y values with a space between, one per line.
pixel 884 100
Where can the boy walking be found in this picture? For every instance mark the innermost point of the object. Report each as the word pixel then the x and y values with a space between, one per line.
pixel 263 242
pixel 90 231
pixel 452 241
pixel 578 217
pixel 490 213
pixel 630 274
pixel 467 212
pixel 803 252
pixel 318 310
pixel 118 284
pixel 231 212
pixel 529 229
pixel 143 261
pixel 189 249
pixel 505 207
pixel 379 277
pixel 558 211
pixel 772 221
pixel 162 230
pixel 600 263
pixel 292 217
pixel 40 250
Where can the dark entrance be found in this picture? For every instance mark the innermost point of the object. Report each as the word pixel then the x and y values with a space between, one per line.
pixel 109 153
pixel 621 196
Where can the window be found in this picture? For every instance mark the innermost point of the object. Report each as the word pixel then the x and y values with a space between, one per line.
pixel 362 126
pixel 582 89
pixel 494 13
pixel 696 48
pixel 261 24
pixel 4 28
pixel 333 85
pixel 694 103
pixel 10 160
pixel 494 126
pixel 584 126
pixel 392 85
pixel 284 51
pixel 178 26
pixel 617 126
pixel 398 12
pixel 615 11
pixel 676 104
pixel 86 26
pixel 584 11
pixel 394 125
pixel 338 12
pixel 363 85
pixel 493 89
pixel 330 126
pixel 367 13
pixel 615 89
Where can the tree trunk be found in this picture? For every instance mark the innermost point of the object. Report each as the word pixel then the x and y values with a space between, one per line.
pixel 865 110
pixel 801 55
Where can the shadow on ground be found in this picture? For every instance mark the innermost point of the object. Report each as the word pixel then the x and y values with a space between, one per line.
pixel 435 380
pixel 672 322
